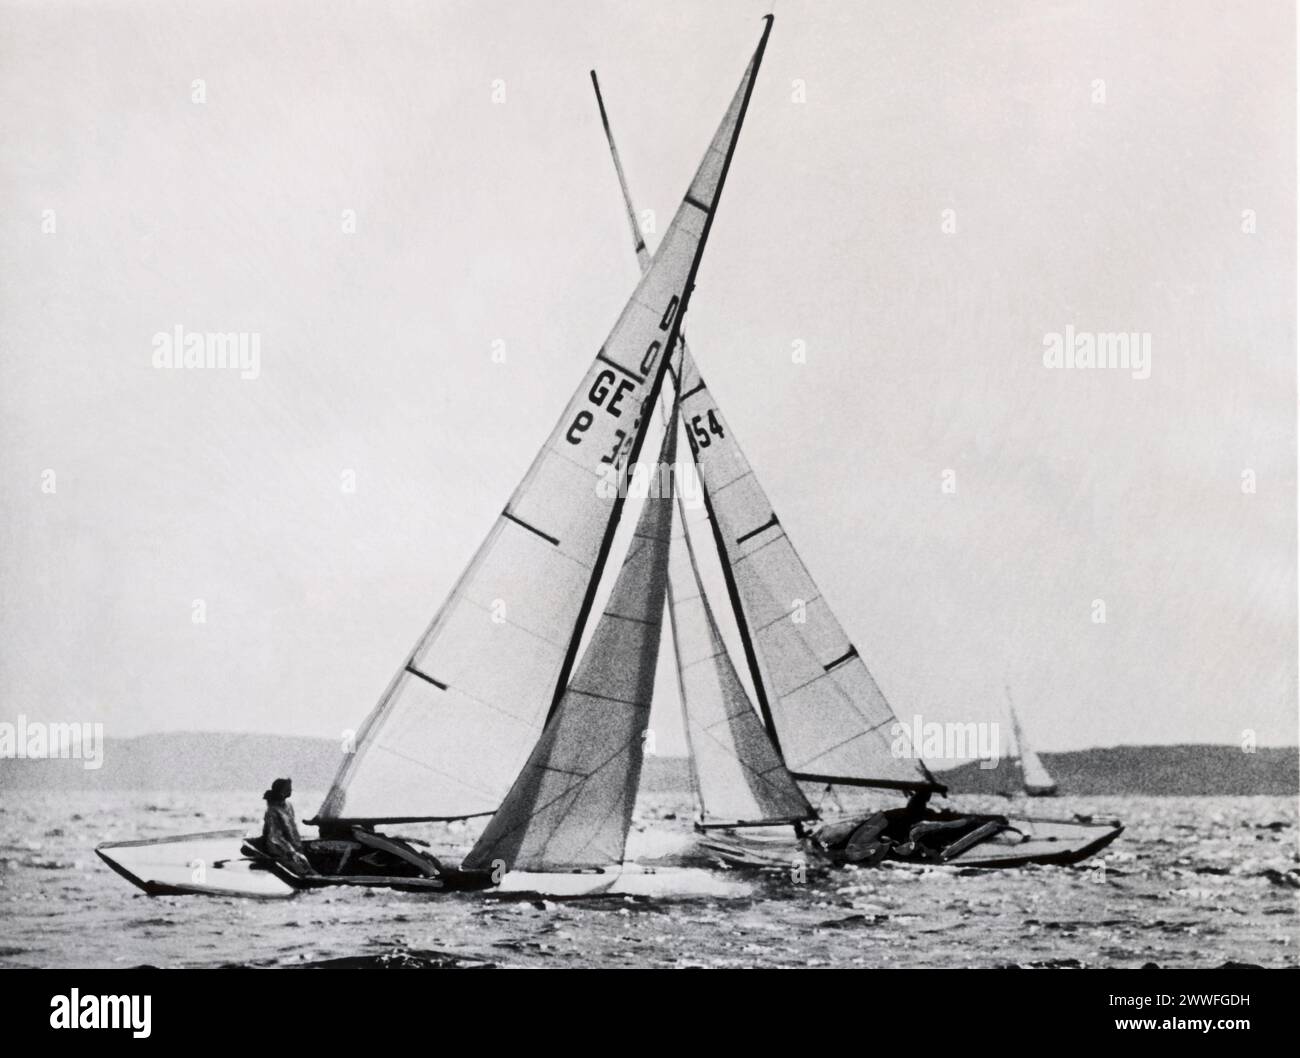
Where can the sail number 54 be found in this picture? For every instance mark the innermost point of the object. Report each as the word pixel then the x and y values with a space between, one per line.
pixel 701 426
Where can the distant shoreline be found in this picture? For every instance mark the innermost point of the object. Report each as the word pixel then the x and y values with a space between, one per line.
pixel 224 761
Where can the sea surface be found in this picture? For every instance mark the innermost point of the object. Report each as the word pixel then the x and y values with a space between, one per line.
pixel 1193 881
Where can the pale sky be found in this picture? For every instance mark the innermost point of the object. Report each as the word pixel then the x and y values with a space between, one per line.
pixel 1098 158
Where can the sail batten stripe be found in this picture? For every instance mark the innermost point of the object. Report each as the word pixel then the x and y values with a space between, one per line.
pixel 727 484
pixel 629 617
pixel 698 204
pixel 852 653
pixel 692 391
pixel 614 363
pixel 531 528
pixel 754 532
pixel 426 677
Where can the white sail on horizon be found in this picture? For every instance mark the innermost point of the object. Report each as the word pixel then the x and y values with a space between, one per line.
pixel 1033 773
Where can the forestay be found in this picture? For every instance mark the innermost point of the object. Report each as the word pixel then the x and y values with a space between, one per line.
pixel 459 717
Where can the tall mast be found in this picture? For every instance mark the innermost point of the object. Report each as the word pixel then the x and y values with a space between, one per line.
pixel 733 595
pixel 710 210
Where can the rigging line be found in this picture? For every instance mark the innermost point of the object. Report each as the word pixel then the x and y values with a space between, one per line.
pixel 706 657
pixel 459 689
pixel 607 698
pixel 738 477
pixel 865 733
pixel 430 768
pixel 785 616
pixel 609 811
pixel 515 625
pixel 760 775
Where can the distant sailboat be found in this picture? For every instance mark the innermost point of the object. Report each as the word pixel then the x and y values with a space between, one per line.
pixel 1034 776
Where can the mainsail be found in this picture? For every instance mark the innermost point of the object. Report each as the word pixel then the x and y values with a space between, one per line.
pixel 459 717
pixel 819 699
pixel 571 806
pixel 1037 781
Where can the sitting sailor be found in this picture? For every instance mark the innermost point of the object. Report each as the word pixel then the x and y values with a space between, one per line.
pixel 869 841
pixel 280 837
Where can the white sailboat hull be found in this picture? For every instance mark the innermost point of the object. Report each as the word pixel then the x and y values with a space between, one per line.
pixel 1027 841
pixel 215 864
pixel 629 880
pixel 211 864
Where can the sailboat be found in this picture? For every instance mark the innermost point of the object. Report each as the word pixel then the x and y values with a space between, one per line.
pixel 502 713
pixel 493 713
pixel 1034 777
pixel 821 718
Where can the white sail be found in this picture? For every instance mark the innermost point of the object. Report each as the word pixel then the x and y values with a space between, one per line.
pixel 737 772
pixel 832 721
pixel 458 719
pixel 571 806
pixel 1037 781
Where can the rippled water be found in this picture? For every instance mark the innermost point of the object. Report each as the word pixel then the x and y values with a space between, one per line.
pixel 1192 882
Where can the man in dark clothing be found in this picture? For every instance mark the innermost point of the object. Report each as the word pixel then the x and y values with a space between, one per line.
pixel 868 841
pixel 280 837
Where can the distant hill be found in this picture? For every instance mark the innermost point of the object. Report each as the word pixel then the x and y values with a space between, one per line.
pixel 1170 770
pixel 185 761
pixel 219 761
